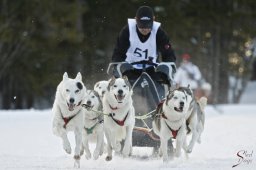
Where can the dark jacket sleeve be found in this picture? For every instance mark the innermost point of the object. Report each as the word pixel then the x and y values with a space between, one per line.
pixel 164 46
pixel 121 46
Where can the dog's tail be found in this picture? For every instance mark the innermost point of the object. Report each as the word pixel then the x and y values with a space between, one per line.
pixel 202 102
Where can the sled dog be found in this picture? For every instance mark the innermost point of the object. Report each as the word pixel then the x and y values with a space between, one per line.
pixel 93 124
pixel 169 122
pixel 195 117
pixel 101 87
pixel 68 112
pixel 120 118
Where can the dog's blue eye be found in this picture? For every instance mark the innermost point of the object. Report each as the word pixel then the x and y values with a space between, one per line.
pixel 93 96
pixel 76 91
pixel 67 90
pixel 175 98
pixel 124 85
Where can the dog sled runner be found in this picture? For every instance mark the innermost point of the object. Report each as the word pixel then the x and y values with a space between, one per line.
pixel 148 92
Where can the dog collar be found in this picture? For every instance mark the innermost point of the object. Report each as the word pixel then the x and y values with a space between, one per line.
pixel 119 122
pixel 113 108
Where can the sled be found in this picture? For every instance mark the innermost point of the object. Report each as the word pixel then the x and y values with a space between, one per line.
pixel 147 94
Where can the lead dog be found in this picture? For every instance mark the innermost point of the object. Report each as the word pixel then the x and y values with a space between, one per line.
pixel 68 112
pixel 195 117
pixel 120 118
pixel 93 124
pixel 169 122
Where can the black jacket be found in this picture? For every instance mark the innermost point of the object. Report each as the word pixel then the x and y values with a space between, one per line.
pixel 162 42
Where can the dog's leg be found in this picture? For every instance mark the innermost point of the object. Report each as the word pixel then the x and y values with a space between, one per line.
pixel 179 144
pixel 128 141
pixel 194 138
pixel 164 142
pixel 66 144
pixel 185 146
pixel 109 147
pixel 82 149
pixel 86 147
pixel 99 144
pixel 78 139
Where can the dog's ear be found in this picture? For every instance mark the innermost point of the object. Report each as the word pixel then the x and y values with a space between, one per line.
pixel 111 82
pixel 79 76
pixel 65 76
pixel 127 81
pixel 96 85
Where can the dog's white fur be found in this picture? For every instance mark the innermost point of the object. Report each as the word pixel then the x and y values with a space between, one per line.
pixel 118 102
pixel 195 117
pixel 93 125
pixel 68 107
pixel 101 87
pixel 170 118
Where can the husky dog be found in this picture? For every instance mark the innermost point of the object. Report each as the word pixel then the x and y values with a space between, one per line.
pixel 195 117
pixel 119 123
pixel 68 112
pixel 101 87
pixel 169 122
pixel 93 124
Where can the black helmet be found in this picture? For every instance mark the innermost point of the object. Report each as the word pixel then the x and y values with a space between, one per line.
pixel 144 17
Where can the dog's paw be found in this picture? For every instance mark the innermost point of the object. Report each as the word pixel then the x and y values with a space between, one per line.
pixel 88 156
pixel 126 151
pixel 96 154
pixel 165 159
pixel 117 147
pixel 189 149
pixel 108 158
pixel 67 147
pixel 81 152
pixel 77 163
pixel 177 153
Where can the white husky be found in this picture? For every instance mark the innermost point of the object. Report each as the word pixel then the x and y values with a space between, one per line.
pixel 169 122
pixel 120 118
pixel 93 124
pixel 68 112
pixel 195 117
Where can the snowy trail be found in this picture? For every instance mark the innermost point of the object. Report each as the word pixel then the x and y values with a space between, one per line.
pixel 27 143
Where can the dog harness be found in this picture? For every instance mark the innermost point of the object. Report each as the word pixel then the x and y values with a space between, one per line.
pixel 90 130
pixel 174 132
pixel 67 119
pixel 119 122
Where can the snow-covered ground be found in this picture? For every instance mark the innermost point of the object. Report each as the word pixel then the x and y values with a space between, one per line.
pixel 27 143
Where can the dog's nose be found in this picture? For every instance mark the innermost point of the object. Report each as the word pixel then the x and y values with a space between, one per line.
pixel 181 104
pixel 120 92
pixel 88 102
pixel 71 100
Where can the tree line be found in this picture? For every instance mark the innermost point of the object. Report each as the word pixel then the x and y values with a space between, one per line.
pixel 40 40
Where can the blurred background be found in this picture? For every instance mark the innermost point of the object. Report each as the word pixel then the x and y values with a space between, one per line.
pixel 40 40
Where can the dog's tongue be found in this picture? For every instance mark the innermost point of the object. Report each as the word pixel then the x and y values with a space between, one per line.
pixel 71 106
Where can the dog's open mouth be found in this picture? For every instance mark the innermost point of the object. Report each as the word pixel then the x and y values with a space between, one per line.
pixel 180 109
pixel 119 98
pixel 71 106
pixel 88 106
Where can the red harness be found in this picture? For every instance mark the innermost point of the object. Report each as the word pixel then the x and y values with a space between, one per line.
pixel 174 132
pixel 67 119
pixel 119 122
